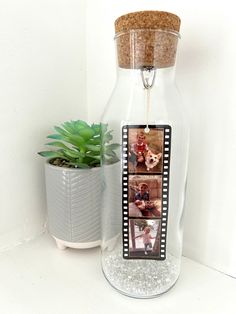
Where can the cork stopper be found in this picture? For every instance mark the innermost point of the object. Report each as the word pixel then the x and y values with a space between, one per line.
pixel 147 39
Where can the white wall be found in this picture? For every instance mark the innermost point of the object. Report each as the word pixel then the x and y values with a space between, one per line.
pixel 42 83
pixel 206 76
pixel 206 70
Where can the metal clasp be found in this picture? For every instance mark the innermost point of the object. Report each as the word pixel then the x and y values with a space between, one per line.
pixel 147 74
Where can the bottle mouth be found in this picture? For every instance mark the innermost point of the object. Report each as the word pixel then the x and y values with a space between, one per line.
pixel 139 30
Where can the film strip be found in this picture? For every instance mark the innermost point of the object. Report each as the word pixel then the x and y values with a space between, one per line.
pixel 155 175
pixel 125 192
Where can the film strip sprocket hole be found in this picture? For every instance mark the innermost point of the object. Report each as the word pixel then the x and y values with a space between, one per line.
pixel 145 190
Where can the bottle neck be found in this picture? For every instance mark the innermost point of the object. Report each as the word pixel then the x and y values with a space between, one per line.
pixel 136 77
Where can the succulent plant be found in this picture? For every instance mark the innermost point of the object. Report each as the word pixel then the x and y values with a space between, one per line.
pixel 80 145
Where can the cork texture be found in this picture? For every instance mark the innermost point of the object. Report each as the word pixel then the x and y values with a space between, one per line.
pixel 147 39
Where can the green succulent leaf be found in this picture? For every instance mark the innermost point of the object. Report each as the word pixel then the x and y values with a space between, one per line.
pixel 107 137
pixel 93 148
pixel 94 141
pixel 96 128
pixel 57 144
pixel 51 154
pixel 76 140
pixel 112 160
pixel 93 153
pixel 97 157
pixel 73 154
pixel 79 125
pixel 68 127
pixel 61 131
pixel 56 137
pixel 94 162
pixel 110 153
pixel 87 133
pixel 104 128
pixel 112 147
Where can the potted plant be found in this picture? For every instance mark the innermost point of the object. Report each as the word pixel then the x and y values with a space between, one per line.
pixel 73 181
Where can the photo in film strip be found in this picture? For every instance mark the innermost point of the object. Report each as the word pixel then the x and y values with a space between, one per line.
pixel 145 190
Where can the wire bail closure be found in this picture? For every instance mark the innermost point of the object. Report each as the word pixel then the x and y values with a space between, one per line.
pixel 147 74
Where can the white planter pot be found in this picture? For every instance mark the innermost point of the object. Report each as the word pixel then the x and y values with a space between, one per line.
pixel 74 206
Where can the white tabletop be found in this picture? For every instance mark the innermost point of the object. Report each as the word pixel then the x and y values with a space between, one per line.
pixel 37 278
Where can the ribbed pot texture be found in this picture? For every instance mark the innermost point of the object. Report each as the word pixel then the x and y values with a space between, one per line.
pixel 74 203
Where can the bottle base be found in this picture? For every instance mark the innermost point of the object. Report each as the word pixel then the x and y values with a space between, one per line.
pixel 140 278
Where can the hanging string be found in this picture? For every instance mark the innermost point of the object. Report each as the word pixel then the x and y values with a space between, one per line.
pixel 147 103
pixel 148 73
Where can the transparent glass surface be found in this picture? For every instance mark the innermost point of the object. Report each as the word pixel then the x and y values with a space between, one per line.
pixel 143 278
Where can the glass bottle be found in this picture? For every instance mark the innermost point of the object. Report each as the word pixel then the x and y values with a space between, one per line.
pixel 144 176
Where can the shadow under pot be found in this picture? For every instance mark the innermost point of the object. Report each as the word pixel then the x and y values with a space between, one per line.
pixel 74 206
